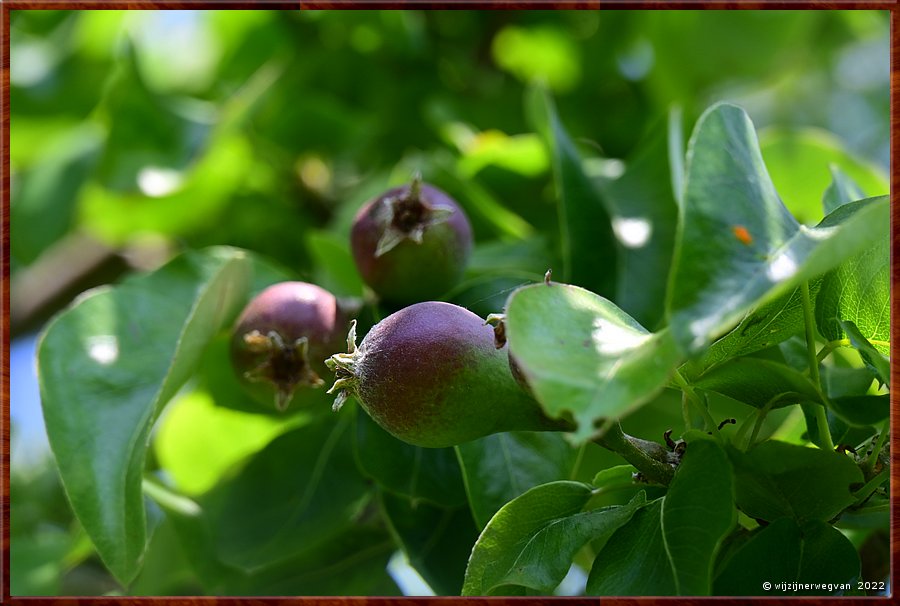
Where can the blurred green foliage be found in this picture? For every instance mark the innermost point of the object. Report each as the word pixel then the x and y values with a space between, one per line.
pixel 267 130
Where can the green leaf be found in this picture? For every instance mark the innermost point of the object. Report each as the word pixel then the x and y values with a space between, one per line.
pixel 756 381
pixel 502 466
pixel 292 498
pixel 763 327
pixel 334 267
pixel 37 561
pixel 875 513
pixel 583 355
pixel 799 162
pixel 352 561
pixel 634 559
pixel 862 411
pixel 871 355
pixel 108 365
pixel 776 479
pixel 784 553
pixel 437 541
pixel 432 474
pixel 731 258
pixel 644 218
pixel 196 442
pixel 842 190
pixel 588 243
pixel 698 512
pixel 43 202
pixel 524 154
pixel 187 200
pixel 858 291
pixel 546 558
pixel 143 129
pixel 839 382
pixel 828 557
pixel 481 204
pixel 620 475
pixel 514 527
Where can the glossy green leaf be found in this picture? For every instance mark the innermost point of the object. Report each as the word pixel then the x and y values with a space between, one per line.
pixel 644 218
pixel 634 560
pixel 513 527
pixel 548 555
pixel 731 258
pixel 437 541
pixel 782 554
pixel 874 356
pixel 432 474
pixel 858 290
pixel 763 327
pixel 502 466
pixel 799 162
pixel 776 479
pixel 108 365
pixel 756 382
pixel 698 512
pixel 583 355
pixel 588 243
pixel 842 190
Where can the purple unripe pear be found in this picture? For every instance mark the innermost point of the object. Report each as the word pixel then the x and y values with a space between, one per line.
pixel 431 376
pixel 281 340
pixel 411 243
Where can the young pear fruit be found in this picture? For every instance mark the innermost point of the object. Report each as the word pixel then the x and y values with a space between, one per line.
pixel 281 339
pixel 431 376
pixel 411 243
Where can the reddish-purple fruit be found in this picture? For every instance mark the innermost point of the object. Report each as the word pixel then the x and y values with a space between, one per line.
pixel 282 338
pixel 430 375
pixel 411 243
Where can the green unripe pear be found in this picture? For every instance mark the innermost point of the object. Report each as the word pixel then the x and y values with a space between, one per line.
pixel 431 376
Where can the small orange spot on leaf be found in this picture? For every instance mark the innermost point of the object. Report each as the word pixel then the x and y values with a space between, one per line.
pixel 740 232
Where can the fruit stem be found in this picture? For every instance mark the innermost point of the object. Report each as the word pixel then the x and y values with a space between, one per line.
pixel 650 458
pixel 809 323
pixel 869 465
pixel 711 425
pixel 866 491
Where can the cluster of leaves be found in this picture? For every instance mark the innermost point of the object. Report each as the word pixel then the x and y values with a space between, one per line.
pixel 739 293
pixel 159 452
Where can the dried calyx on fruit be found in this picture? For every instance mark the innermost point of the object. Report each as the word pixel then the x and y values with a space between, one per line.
pixel 281 339
pixel 430 375
pixel 411 243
